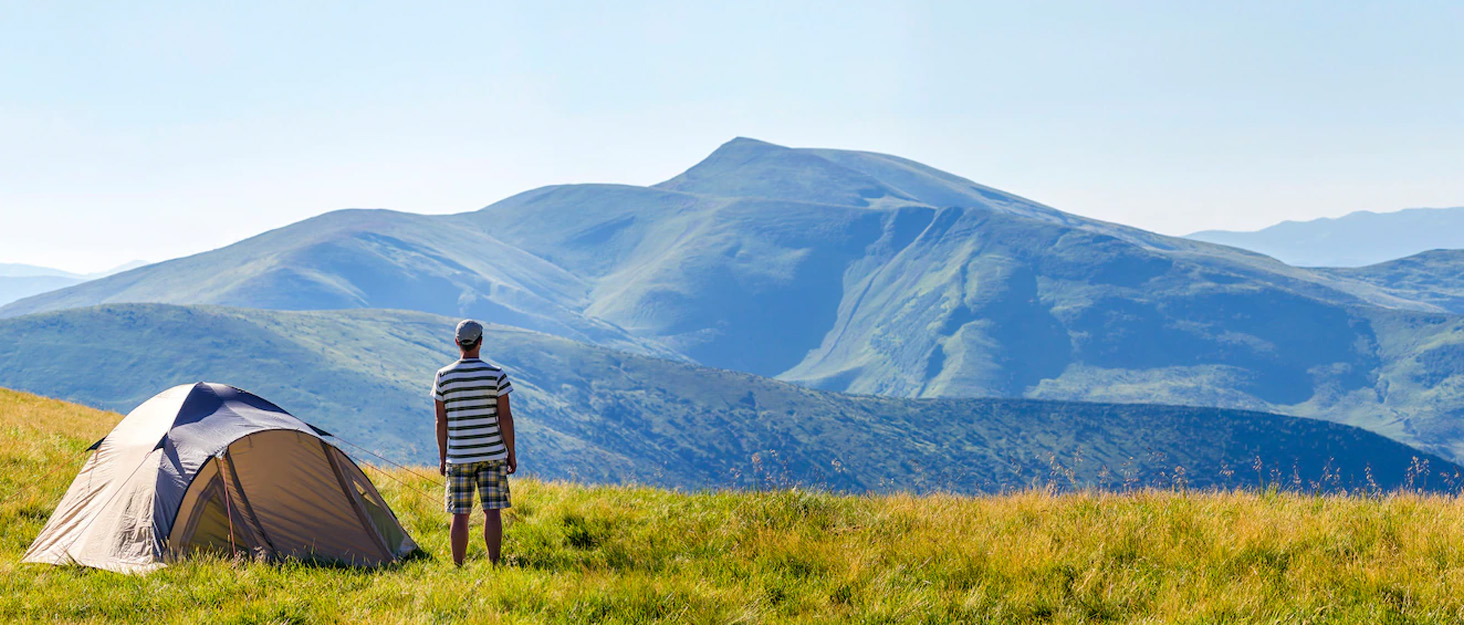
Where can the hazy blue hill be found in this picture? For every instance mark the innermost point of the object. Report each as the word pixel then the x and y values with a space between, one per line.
pixel 596 414
pixel 19 281
pixel 1355 240
pixel 17 287
pixel 867 273
pixel 1434 277
pixel 359 259
pixel 20 270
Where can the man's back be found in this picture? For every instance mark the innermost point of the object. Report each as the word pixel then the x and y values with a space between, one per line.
pixel 469 388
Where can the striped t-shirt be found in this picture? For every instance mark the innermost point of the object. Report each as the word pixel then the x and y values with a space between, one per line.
pixel 470 388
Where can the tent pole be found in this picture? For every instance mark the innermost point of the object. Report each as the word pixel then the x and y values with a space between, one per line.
pixel 246 509
pixel 228 508
pixel 355 501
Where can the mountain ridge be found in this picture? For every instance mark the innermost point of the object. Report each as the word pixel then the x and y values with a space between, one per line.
pixel 19 281
pixel 593 414
pixel 870 274
pixel 1357 239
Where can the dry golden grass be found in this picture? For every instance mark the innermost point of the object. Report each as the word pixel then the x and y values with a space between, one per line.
pixel 580 553
pixel 25 418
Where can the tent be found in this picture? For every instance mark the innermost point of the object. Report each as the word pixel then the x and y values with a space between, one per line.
pixel 209 468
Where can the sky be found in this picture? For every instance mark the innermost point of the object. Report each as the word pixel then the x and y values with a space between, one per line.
pixel 156 130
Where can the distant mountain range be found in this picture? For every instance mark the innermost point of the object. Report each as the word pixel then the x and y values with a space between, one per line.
pixel 19 270
pixel 1355 240
pixel 19 281
pixel 595 414
pixel 867 273
pixel 20 287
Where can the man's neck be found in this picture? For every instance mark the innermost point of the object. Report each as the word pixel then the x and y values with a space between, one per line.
pixel 473 355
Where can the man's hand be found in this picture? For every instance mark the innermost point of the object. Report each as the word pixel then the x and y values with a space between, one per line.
pixel 441 436
pixel 512 463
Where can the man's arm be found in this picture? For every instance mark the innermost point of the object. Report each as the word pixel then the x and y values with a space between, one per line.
pixel 441 437
pixel 505 426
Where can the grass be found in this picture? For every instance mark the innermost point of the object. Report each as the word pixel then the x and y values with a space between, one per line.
pixel 577 553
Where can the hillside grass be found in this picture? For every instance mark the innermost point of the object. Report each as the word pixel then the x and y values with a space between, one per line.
pixel 577 553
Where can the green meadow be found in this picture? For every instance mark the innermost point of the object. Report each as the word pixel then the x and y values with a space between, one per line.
pixel 577 553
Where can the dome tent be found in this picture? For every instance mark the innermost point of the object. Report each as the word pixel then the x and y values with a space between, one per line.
pixel 212 468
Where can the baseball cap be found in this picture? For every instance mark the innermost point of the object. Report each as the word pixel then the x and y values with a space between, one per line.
pixel 469 331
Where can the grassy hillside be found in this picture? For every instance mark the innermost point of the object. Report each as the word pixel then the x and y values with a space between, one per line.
pixel 594 414
pixel 866 273
pixel 579 554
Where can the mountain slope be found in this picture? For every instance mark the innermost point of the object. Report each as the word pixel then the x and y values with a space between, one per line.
pixel 364 258
pixel 742 283
pixel 1434 277
pixel 595 414
pixel 1354 240
pixel 19 281
pixel 19 287
pixel 859 272
pixel 19 270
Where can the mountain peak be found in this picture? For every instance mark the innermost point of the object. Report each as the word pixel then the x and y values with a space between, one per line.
pixel 741 140
pixel 739 151
pixel 752 168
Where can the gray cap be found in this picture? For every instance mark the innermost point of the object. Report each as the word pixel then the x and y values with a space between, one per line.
pixel 469 331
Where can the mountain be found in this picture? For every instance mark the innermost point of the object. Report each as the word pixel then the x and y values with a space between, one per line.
pixel 595 414
pixel 19 281
pixel 19 270
pixel 127 266
pixel 1354 240
pixel 20 287
pixel 365 258
pixel 866 273
pixel 1434 277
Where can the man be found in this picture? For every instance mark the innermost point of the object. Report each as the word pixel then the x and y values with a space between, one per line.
pixel 474 440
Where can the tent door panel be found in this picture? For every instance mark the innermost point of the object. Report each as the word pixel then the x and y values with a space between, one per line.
pixel 238 500
pixel 185 522
pixel 216 526
pixel 392 533
pixel 356 502
pixel 300 502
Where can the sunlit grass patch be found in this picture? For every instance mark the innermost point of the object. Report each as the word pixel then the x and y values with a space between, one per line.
pixel 577 553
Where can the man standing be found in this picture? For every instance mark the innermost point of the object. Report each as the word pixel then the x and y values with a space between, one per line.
pixel 474 440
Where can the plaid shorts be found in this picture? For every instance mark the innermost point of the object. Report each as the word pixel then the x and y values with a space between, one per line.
pixel 491 479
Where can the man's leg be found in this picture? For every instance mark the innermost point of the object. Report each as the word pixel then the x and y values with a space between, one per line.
pixel 459 537
pixel 493 488
pixel 460 486
pixel 492 534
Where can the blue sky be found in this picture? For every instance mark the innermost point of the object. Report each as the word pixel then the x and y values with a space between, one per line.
pixel 151 130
